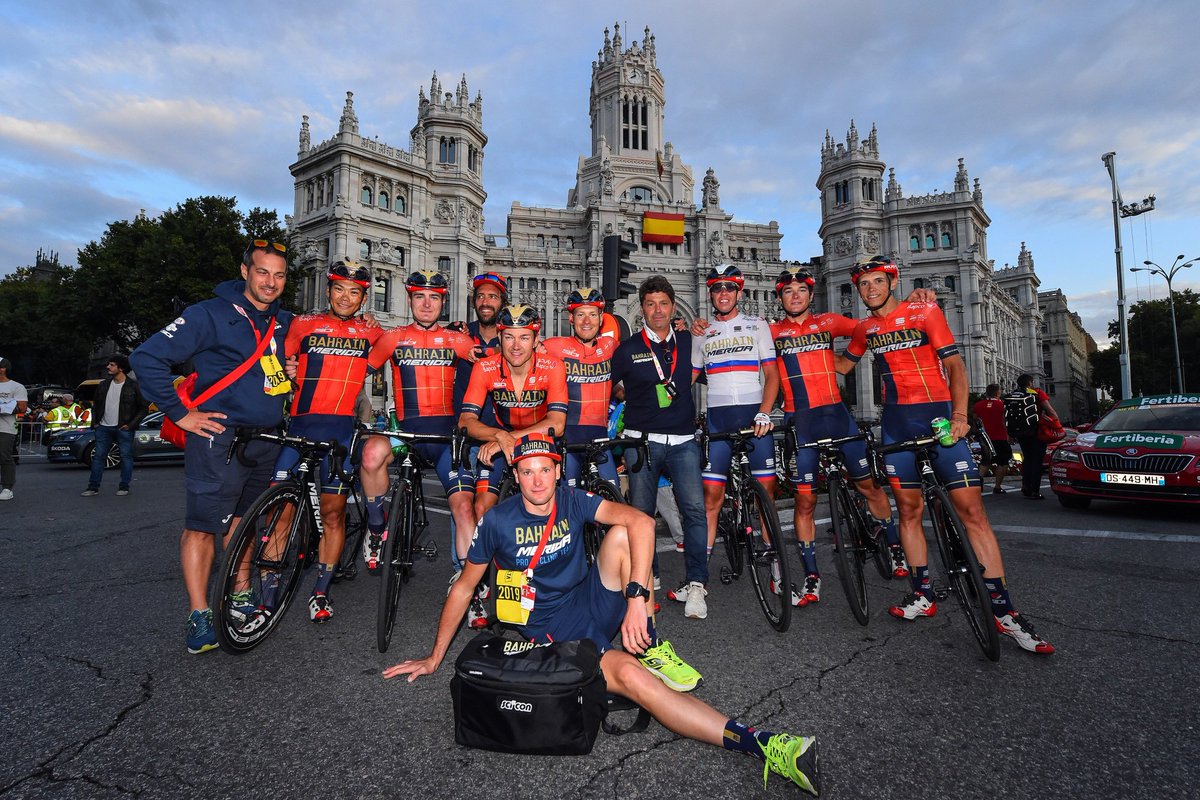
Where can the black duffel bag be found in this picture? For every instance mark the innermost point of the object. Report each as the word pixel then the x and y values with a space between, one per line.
pixel 520 697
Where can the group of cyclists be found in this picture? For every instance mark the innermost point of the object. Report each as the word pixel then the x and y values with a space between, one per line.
pixel 500 381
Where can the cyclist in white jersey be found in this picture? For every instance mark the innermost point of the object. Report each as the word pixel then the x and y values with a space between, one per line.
pixel 738 356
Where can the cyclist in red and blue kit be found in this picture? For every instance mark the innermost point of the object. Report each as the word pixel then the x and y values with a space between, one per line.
pixel 332 351
pixel 813 404
pixel 924 377
pixel 423 357
pixel 587 356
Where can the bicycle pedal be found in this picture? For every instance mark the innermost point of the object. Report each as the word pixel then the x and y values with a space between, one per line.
pixel 941 592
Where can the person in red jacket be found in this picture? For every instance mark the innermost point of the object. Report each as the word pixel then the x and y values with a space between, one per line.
pixel 990 412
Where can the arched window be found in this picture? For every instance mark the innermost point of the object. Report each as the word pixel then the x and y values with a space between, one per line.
pixel 950 282
pixel 382 289
pixel 446 147
pixel 570 242
pixel 641 194
pixel 553 242
pixel 541 242
pixel 914 243
pixel 946 240
pixel 741 254
pixel 398 254
pixel 687 243
pixel 364 249
pixel 366 196
pixel 754 254
pixel 309 194
pixel 401 205
pixel 929 243
pixel 383 201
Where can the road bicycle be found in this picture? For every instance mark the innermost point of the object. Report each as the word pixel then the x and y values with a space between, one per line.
pixel 594 453
pixel 963 575
pixel 277 537
pixel 749 525
pixel 407 521
pixel 856 539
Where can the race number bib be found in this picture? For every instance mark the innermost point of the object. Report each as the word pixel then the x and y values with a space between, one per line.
pixel 277 381
pixel 514 596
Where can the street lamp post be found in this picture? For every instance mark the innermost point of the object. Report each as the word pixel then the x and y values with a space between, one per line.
pixel 1169 275
pixel 1121 210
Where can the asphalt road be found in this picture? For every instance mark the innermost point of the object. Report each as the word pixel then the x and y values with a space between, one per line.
pixel 101 699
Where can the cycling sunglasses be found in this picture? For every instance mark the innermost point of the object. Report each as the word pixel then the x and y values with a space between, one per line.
pixel 264 244
pixel 724 286
pixel 358 274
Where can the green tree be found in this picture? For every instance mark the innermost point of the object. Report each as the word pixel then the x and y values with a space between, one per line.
pixel 144 271
pixel 1152 347
pixel 39 331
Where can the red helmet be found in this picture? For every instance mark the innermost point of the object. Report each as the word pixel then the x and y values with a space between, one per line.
pixel 876 264
pixel 347 270
pixel 585 297
pixel 794 275
pixel 725 272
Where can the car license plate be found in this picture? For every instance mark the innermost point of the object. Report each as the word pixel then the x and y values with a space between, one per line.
pixel 1132 478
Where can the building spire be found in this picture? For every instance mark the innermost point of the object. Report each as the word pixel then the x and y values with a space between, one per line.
pixel 349 121
pixel 961 181
pixel 305 136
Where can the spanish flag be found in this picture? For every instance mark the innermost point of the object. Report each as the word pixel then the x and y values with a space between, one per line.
pixel 662 228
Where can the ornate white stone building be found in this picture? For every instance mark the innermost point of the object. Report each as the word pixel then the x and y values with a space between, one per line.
pixel 939 241
pixel 1066 370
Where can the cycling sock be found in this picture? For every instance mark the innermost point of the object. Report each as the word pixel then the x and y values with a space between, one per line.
pixel 270 590
pixel 890 532
pixel 708 552
pixel 375 521
pixel 998 589
pixel 744 739
pixel 324 578
pixel 920 581
pixel 808 553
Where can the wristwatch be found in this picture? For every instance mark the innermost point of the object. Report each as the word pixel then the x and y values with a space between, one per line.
pixel 635 589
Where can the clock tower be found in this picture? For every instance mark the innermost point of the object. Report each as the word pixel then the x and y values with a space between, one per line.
pixel 627 100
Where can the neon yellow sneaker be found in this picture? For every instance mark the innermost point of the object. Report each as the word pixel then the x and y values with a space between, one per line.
pixel 795 758
pixel 669 668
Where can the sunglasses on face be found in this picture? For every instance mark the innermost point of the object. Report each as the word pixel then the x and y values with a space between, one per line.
pixel 724 286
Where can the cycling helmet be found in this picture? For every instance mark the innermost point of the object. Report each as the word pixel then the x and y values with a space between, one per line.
pixel 426 279
pixel 493 278
pixel 876 264
pixel 585 297
pixel 725 272
pixel 794 275
pixel 347 270
pixel 518 317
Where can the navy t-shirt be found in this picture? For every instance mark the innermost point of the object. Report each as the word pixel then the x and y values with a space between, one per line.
pixel 508 534
pixel 632 365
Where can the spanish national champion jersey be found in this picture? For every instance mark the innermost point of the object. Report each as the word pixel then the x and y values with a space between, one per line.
pixel 589 377
pixel 333 362
pixel 731 353
pixel 909 345
pixel 423 363
pixel 804 351
pixel 545 390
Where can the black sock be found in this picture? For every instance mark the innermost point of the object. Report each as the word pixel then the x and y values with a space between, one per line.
pixel 920 581
pixel 998 589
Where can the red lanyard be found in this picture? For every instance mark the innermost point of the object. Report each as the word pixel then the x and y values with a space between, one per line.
pixel 674 357
pixel 537 555
pixel 258 337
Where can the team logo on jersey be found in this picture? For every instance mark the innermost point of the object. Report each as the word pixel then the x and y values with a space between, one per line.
pixel 889 341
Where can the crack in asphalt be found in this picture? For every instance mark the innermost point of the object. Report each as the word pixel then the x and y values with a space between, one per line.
pixel 74 546
pixel 1117 632
pixel 46 769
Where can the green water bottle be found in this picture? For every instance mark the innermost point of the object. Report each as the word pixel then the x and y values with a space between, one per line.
pixel 941 429
pixel 399 446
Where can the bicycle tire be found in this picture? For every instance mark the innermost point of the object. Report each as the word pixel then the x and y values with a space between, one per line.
pixel 593 533
pixel 876 544
pixel 393 563
pixel 765 557
pixel 273 536
pixel 356 531
pixel 727 530
pixel 508 486
pixel 962 571
pixel 848 545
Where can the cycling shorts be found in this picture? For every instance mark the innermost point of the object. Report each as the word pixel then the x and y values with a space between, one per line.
pixel 441 456
pixel 825 422
pixel 722 419
pixel 573 463
pixel 590 611
pixel 217 492
pixel 318 428
pixel 953 465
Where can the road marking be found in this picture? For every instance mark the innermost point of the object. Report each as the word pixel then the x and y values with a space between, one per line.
pixel 1134 536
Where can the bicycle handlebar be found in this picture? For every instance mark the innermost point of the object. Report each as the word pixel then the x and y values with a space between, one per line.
pixel 920 443
pixel 328 447
pixel 825 444
pixel 458 439
pixel 594 446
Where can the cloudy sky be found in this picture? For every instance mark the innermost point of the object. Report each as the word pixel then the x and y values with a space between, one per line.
pixel 108 108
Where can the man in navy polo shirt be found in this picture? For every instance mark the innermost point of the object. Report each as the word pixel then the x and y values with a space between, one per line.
pixel 655 367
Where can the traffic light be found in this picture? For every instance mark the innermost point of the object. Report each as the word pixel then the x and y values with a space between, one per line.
pixel 617 268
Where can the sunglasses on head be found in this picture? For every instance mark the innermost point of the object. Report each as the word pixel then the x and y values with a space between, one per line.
pixel 264 244
pixel 724 286
pixel 358 274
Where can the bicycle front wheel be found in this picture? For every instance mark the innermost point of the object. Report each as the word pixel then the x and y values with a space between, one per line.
pixel 593 533
pixel 356 530
pixel 767 557
pixel 848 544
pixel 394 563
pixel 261 567
pixel 962 571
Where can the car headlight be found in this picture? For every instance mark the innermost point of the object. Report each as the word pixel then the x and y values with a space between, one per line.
pixel 1063 454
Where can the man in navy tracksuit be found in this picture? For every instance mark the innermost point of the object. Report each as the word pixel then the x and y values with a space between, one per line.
pixel 219 335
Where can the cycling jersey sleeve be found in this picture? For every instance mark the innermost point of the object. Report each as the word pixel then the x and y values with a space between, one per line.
pixel 462 344
pixel 939 332
pixel 477 388
pixel 557 398
pixel 841 326
pixel 858 342
pixel 382 350
pixel 482 543
pixel 765 343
